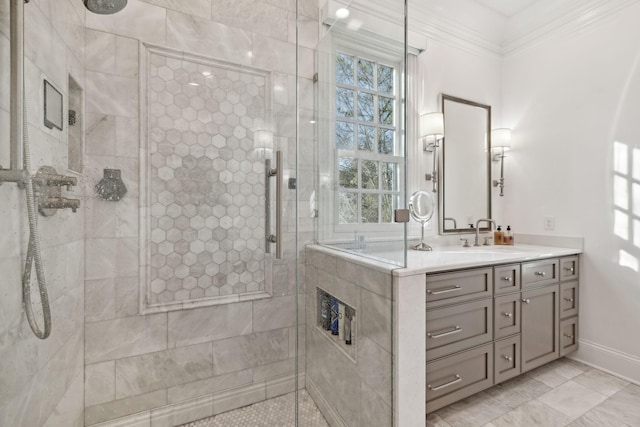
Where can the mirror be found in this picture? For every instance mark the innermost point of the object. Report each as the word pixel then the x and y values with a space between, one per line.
pixel 421 209
pixel 465 181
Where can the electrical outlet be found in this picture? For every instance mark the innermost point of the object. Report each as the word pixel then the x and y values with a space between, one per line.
pixel 549 222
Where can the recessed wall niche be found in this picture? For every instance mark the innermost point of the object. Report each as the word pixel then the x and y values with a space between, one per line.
pixel 203 229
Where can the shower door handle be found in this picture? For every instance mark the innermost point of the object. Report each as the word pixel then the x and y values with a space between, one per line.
pixel 278 173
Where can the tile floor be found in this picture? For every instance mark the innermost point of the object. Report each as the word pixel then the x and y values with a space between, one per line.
pixel 278 411
pixel 562 393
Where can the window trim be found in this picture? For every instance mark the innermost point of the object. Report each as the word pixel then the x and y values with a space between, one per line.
pixel 383 228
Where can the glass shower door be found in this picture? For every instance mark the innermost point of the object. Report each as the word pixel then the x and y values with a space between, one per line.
pixel 220 233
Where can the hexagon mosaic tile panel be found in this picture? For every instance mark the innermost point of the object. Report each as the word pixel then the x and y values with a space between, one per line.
pixel 207 225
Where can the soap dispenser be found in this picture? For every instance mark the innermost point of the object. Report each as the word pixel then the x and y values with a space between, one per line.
pixel 508 238
pixel 498 236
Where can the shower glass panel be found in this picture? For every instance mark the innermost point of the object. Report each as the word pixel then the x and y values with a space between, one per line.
pixel 361 121
pixel 360 166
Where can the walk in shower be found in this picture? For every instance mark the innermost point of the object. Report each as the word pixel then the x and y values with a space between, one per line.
pixel 241 132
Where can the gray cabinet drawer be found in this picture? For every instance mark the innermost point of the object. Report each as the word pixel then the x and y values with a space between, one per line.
pixel 456 328
pixel 459 286
pixel 568 299
pixel 458 376
pixel 506 315
pixel 568 268
pixel 506 278
pixel 506 359
pixel 539 273
pixel 568 336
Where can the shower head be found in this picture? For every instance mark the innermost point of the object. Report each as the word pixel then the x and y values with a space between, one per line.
pixel 105 7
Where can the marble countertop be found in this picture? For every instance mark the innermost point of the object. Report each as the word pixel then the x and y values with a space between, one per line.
pixel 455 257
pixel 445 258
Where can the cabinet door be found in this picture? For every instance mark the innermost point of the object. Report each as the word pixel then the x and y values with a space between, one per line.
pixel 506 315
pixel 540 341
pixel 568 336
pixel 568 299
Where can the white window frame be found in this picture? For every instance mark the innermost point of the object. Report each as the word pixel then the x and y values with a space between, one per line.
pixel 389 229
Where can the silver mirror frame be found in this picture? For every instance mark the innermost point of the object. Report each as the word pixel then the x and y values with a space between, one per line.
pixel 443 153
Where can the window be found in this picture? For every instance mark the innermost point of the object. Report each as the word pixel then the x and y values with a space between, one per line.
pixel 368 153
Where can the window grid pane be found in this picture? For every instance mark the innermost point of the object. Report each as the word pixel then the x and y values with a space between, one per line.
pixel 344 69
pixel 366 75
pixel 348 172
pixel 344 102
pixel 344 135
pixel 370 208
pixel 370 175
pixel 367 138
pixel 366 134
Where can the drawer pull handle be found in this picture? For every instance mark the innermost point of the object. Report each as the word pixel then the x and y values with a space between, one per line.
pixel 507 358
pixel 443 290
pixel 568 299
pixel 568 336
pixel 450 383
pixel 569 269
pixel 526 301
pixel 509 315
pixel 507 279
pixel 455 330
pixel 541 273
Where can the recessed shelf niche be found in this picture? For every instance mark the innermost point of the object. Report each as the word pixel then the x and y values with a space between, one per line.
pixel 337 322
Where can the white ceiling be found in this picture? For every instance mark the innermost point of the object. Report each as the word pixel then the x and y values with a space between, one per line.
pixel 507 8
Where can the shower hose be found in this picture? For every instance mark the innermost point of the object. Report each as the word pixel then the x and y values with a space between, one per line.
pixel 33 251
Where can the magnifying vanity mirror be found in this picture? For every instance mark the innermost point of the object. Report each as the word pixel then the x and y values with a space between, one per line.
pixel 421 209
pixel 465 181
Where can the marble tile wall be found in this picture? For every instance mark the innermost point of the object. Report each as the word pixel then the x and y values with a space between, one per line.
pixel 41 381
pixel 230 354
pixel 207 189
pixel 359 392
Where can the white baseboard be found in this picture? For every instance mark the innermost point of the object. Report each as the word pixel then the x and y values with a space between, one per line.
pixel 607 359
pixel 326 409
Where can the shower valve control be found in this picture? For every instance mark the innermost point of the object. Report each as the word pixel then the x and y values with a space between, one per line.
pixel 48 186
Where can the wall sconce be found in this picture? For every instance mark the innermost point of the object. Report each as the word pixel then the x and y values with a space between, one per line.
pixel 262 143
pixel 500 143
pixel 431 132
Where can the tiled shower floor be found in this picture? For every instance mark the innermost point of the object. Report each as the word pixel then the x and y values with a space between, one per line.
pixel 278 411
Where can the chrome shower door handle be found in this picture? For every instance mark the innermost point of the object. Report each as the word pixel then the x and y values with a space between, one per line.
pixel 278 173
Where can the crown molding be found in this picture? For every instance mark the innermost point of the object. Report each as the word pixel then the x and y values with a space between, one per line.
pixel 581 14
pixel 512 35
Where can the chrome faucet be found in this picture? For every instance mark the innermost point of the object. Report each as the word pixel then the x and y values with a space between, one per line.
pixel 488 221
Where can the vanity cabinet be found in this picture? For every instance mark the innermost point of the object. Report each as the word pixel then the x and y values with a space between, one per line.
pixel 540 338
pixel 487 325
